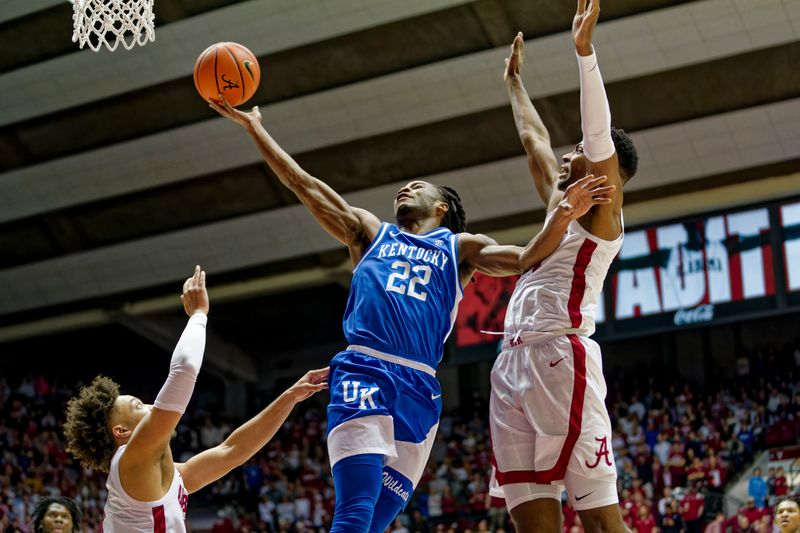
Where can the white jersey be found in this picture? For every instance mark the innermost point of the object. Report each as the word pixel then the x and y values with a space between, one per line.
pixel 560 296
pixel 123 514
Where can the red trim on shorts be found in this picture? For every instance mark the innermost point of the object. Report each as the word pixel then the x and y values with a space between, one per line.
pixel 159 524
pixel 558 472
pixel 579 281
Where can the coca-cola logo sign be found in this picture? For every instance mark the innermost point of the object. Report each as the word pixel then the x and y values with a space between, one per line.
pixel 697 315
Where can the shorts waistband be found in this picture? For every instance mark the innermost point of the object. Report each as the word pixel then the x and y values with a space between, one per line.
pixel 536 337
pixel 422 367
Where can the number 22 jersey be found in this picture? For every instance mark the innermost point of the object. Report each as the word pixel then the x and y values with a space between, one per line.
pixel 405 293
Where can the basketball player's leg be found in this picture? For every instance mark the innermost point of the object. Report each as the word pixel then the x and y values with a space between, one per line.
pixel 536 407
pixel 360 439
pixel 592 492
pixel 416 420
pixel 399 479
pixel 357 481
pixel 534 508
pixel 607 519
pixel 539 510
pixel 591 478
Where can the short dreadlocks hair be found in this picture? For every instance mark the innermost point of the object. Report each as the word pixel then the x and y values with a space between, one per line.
pixel 86 428
pixel 455 219
pixel 44 504
pixel 626 153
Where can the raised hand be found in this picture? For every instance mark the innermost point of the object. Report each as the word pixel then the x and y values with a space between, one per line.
pixel 245 118
pixel 313 382
pixel 514 60
pixel 584 194
pixel 195 296
pixel 583 25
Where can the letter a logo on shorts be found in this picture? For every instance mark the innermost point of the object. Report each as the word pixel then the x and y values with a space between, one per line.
pixel 602 453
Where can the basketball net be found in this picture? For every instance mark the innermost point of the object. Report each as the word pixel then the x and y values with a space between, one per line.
pixel 111 22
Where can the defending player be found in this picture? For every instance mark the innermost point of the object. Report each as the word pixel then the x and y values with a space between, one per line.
pixel 549 424
pixel 121 435
pixel 407 280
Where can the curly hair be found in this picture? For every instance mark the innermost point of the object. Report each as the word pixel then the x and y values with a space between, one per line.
pixel 455 219
pixel 86 428
pixel 626 153
pixel 44 504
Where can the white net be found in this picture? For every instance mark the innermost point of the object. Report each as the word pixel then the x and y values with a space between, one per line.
pixel 111 22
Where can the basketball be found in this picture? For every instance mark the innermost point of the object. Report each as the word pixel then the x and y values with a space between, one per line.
pixel 227 69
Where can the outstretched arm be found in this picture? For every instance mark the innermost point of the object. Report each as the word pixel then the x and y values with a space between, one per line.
pixel 152 434
pixel 247 439
pixel 534 136
pixel 349 225
pixel 493 259
pixel 598 146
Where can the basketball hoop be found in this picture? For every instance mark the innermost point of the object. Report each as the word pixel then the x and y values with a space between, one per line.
pixel 110 22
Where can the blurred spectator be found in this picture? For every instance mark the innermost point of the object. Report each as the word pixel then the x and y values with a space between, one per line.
pixel 692 510
pixel 757 488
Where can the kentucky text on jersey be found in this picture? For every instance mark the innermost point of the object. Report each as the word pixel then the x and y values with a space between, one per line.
pixel 404 294
pixel 435 257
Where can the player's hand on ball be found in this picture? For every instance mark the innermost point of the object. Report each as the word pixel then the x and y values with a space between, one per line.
pixel 515 59
pixel 195 296
pixel 310 384
pixel 584 194
pixel 245 118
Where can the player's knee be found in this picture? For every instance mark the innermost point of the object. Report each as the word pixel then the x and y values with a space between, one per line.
pixel 353 515
pixel 603 521
pixel 537 516
pixel 531 525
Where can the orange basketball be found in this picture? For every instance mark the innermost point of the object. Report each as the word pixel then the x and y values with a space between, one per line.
pixel 227 69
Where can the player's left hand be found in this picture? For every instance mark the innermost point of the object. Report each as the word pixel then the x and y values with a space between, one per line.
pixel 584 194
pixel 583 25
pixel 240 117
pixel 313 382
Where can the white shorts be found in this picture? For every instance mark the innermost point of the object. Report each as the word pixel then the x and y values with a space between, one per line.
pixel 549 424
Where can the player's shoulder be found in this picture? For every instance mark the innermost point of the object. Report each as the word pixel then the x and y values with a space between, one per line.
pixel 475 239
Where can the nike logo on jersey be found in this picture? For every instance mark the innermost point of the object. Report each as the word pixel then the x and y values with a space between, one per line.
pixel 554 363
pixel 394 233
pixel 579 498
pixel 435 396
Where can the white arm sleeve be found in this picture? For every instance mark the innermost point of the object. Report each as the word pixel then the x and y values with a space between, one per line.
pixel 595 113
pixel 184 367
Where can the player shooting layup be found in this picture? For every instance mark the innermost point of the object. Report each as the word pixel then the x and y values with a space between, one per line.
pixel 385 398
pixel 549 424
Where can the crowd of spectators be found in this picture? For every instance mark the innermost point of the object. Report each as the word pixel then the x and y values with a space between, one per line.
pixel 675 445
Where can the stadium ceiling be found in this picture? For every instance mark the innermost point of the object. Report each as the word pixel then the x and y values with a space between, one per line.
pixel 116 178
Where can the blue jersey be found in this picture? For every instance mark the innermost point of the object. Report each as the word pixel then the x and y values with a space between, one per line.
pixel 405 293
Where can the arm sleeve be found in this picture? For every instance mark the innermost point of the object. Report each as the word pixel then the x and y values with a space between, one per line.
pixel 184 367
pixel 595 113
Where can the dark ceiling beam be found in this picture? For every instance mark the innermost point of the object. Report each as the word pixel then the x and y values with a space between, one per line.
pixel 664 98
pixel 299 71
pixel 495 21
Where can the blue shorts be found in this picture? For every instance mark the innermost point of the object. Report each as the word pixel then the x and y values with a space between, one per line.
pixel 386 408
